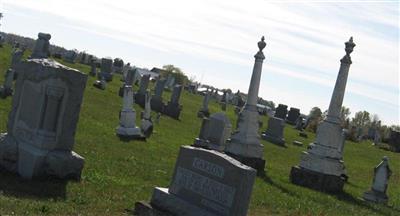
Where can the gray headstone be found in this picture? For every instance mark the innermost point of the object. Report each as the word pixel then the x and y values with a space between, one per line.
pixel 206 182
pixel 281 111
pixel 214 132
pixel 130 77
pixel 176 94
pixel 144 84
pixel 382 174
pixel 274 132
pixel 158 91
pixel 293 114
pixel 43 120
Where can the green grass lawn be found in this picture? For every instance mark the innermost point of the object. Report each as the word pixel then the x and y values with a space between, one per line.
pixel 118 173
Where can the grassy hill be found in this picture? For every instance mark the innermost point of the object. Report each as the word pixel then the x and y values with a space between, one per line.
pixel 118 173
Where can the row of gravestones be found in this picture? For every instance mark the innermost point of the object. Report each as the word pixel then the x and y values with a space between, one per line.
pixel 44 116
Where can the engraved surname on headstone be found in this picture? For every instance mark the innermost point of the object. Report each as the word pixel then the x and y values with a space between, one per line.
pixel 208 167
pixel 204 186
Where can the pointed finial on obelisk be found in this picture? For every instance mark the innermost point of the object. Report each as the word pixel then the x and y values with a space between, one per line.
pixel 261 44
pixel 349 46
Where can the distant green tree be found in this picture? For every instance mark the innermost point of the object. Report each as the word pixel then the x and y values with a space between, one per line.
pixel 361 119
pixel 314 117
pixel 344 117
pixel 180 77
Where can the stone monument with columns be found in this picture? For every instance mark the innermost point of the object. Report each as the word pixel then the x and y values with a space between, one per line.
pixel 321 166
pixel 245 143
pixel 382 174
pixel 43 119
pixel 127 123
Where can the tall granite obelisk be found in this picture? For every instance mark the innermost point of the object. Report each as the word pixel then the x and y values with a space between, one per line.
pixel 245 143
pixel 321 166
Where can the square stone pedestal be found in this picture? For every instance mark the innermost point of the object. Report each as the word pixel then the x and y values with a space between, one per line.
pixel 173 110
pixel 157 105
pixel 276 140
pixel 140 99
pixel 317 181
pixel 255 163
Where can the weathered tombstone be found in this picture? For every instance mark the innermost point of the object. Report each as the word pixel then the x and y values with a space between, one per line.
pixel 274 132
pixel 6 90
pixel 299 124
pixel 170 82
pixel 157 103
pixel 146 125
pixel 281 111
pixel 93 68
pixel 118 65
pixel 382 174
pixel 106 69
pixel 377 138
pixel 42 45
pixel 204 112
pixel 214 132
pixel 140 95
pixel 16 57
pixel 394 140
pixel 127 122
pixel 293 114
pixel 70 56
pixel 43 121
pixel 321 166
pixel 173 108
pixel 245 143
pixel 205 182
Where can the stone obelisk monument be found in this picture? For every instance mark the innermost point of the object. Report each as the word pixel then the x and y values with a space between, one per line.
pixel 245 143
pixel 321 167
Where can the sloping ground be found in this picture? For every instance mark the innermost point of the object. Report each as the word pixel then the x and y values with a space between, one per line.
pixel 118 173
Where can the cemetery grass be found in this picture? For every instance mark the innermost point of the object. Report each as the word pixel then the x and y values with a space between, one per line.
pixel 119 173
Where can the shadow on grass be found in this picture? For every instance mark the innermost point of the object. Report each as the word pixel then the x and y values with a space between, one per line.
pixel 346 197
pixel 268 180
pixel 13 185
pixel 131 138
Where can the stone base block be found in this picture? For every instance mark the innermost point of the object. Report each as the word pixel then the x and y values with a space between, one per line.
pixel 100 84
pixel 146 127
pixel 256 163
pixel 298 143
pixel 134 132
pixel 31 161
pixel 167 202
pixel 173 110
pixel 375 196
pixel 64 164
pixel 200 143
pixel 316 181
pixel 157 105
pixel 140 99
pixel 276 140
pixel 8 153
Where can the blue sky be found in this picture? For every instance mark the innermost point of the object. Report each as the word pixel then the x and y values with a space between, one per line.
pixel 215 41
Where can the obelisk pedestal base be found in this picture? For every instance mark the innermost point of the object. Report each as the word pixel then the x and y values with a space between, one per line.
pixel 316 180
pixel 255 163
